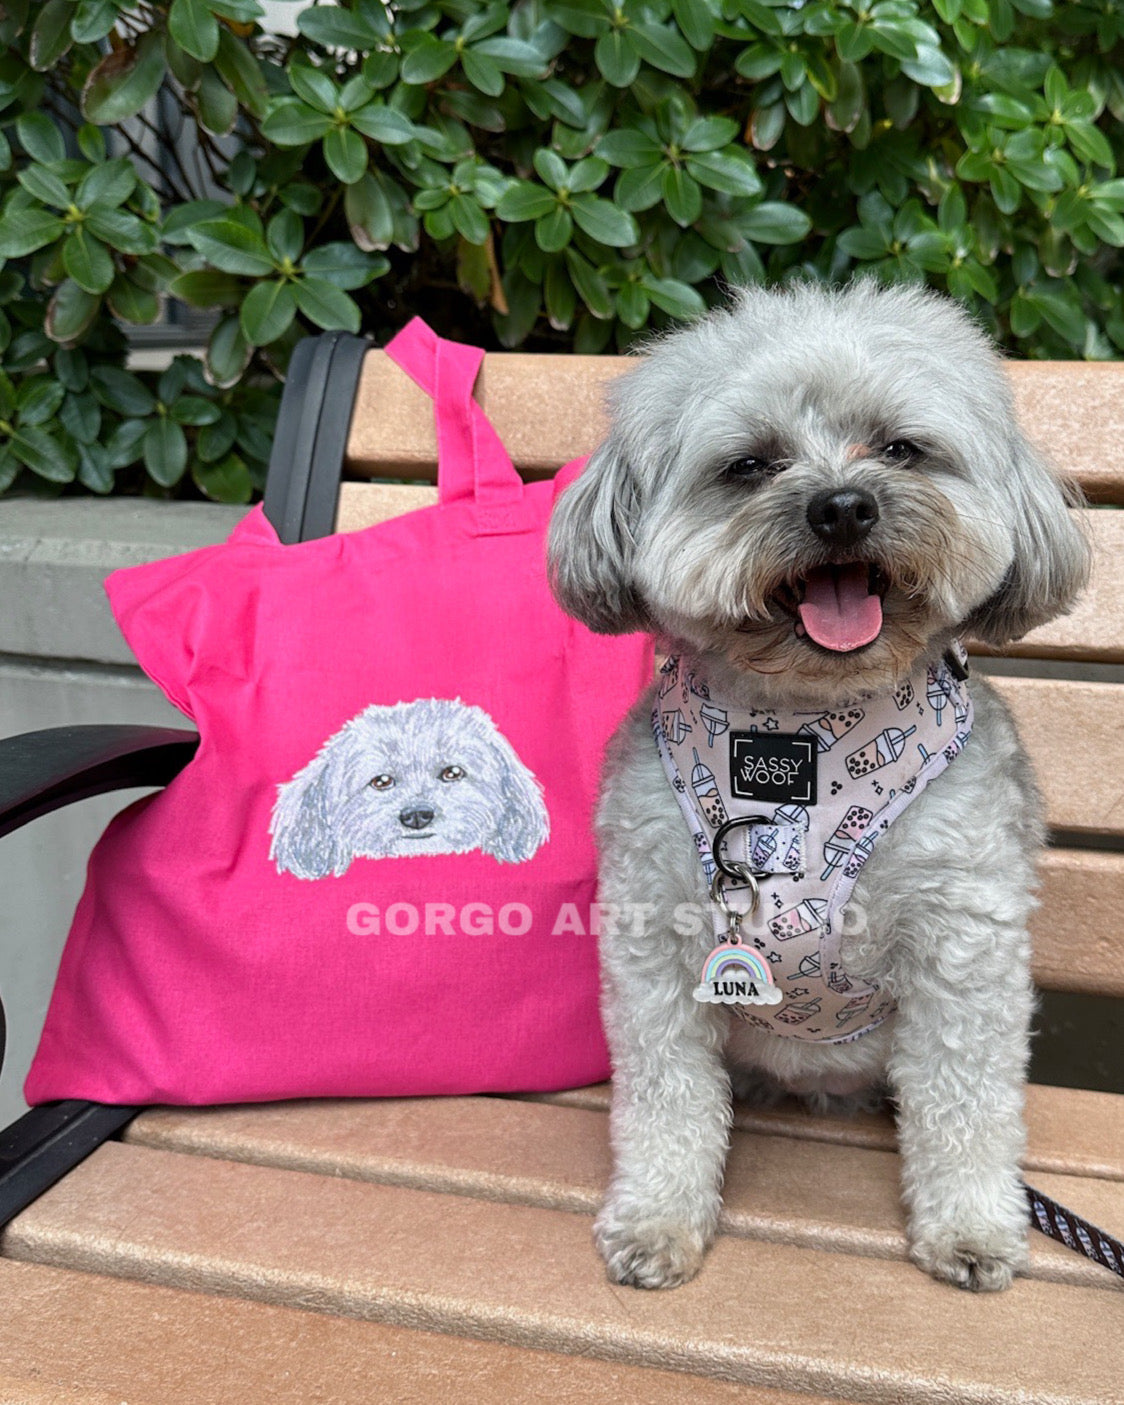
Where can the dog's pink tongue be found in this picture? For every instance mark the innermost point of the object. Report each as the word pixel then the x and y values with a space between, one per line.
pixel 838 610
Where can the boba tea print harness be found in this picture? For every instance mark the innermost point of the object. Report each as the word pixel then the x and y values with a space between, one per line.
pixel 785 807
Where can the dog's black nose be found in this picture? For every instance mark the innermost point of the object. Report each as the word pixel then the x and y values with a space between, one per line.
pixel 842 517
pixel 415 817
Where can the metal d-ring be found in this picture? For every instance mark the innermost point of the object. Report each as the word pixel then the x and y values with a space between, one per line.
pixel 728 867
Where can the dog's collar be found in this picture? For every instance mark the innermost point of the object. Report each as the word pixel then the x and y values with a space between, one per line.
pixel 794 801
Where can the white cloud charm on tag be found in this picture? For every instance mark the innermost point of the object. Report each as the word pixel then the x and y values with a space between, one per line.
pixel 734 974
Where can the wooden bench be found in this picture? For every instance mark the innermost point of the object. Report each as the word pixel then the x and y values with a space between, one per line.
pixel 420 1250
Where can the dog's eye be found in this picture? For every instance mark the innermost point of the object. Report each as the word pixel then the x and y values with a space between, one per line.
pixel 451 773
pixel 749 467
pixel 900 451
pixel 382 782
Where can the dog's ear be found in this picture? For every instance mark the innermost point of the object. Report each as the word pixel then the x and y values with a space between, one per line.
pixel 522 824
pixel 306 840
pixel 1052 556
pixel 590 545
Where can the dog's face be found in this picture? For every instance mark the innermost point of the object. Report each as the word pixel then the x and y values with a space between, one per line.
pixel 428 777
pixel 817 485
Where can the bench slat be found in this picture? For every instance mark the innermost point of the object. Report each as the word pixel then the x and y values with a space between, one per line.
pixel 1071 731
pixel 763 1314
pixel 1094 632
pixel 550 409
pixel 800 1192
pixel 1071 1131
pixel 1077 930
pixel 91 1340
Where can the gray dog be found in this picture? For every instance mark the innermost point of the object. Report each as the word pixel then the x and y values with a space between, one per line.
pixel 811 497
pixel 434 776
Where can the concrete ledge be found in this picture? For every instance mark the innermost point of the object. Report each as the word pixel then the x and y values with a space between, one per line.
pixel 54 557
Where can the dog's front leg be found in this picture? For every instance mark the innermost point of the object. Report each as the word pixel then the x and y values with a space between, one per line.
pixel 957 1068
pixel 670 1115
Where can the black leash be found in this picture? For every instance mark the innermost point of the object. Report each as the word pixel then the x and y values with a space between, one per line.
pixel 1058 1223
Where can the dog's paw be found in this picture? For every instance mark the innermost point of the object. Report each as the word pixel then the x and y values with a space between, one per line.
pixel 981 1263
pixel 649 1252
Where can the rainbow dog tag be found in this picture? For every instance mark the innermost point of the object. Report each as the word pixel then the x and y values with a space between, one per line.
pixel 735 974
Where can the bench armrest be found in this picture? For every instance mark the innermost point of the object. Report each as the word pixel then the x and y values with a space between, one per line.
pixel 42 771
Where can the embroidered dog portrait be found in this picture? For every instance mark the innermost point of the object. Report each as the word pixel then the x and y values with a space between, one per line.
pixel 434 776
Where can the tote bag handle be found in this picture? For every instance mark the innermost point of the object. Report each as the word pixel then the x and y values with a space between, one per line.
pixel 472 463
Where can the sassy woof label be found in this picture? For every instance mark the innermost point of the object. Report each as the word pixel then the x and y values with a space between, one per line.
pixel 734 974
pixel 773 766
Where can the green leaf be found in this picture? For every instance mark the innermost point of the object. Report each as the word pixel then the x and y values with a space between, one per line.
pixel 524 201
pixel 337 28
pixel 591 285
pixel 345 152
pixel 674 298
pixel 227 481
pixel 709 134
pixel 695 19
pixel 604 222
pixel 663 48
pixel 344 265
pixel 633 306
pixel 587 174
pixel 45 455
pixel 773 222
pixel 127 78
pixel 469 219
pixel 640 188
pixel 228 352
pixel 38 399
pixel 293 123
pixel 1062 311
pixel 233 242
pixel 121 391
pixel 87 261
pixel 165 452
pixel 681 195
pixel 40 137
pixel 72 368
pixel 207 288
pixel 80 416
pixel 195 410
pixel 7 397
pixel 242 74
pixel 70 312
pixel 327 306
pixel 51 37
pixel 553 231
pixel 731 171
pixel 218 107
pixel 268 311
pixel 122 231
pixel 132 303
pixel 369 215
pixel 617 57
pixel 315 87
pixel 428 61
pixel 95 470
pixel 551 168
pixel 629 147
pixel 216 439
pixel 284 236
pixel 9 469
pixel 44 186
pixel 109 183
pixel 194 28
pixel 92 21
pixel 124 443
pixel 383 124
pixel 482 73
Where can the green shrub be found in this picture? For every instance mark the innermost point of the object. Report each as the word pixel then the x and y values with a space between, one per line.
pixel 555 174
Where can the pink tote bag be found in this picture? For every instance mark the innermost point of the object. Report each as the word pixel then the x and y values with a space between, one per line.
pixel 377 876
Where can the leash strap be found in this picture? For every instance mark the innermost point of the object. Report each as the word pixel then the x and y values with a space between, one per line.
pixel 1058 1223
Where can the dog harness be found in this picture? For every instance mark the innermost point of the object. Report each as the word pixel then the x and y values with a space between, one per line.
pixel 785 807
